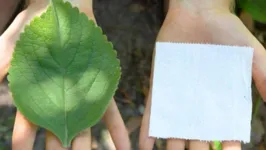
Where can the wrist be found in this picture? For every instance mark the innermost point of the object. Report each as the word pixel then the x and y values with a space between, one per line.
pixel 198 7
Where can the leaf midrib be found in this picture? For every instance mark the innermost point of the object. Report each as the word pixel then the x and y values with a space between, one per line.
pixel 63 84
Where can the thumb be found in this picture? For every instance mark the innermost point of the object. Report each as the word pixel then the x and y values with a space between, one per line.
pixel 11 35
pixel 259 68
pixel 4 57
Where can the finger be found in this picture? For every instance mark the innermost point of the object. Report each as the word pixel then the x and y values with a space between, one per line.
pixel 146 142
pixel 52 142
pixel 82 141
pixel 231 145
pixel 198 145
pixel 116 127
pixel 24 133
pixel 175 144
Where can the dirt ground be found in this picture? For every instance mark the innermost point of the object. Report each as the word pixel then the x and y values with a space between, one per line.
pixel 132 26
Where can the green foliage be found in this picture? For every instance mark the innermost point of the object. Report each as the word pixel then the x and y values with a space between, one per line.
pixel 256 108
pixel 217 145
pixel 256 8
pixel 64 72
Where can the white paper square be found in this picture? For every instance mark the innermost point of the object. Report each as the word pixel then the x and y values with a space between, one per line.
pixel 201 92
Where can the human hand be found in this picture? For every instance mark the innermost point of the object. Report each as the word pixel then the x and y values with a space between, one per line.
pixel 24 131
pixel 205 21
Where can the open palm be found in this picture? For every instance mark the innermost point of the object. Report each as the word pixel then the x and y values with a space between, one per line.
pixel 214 27
pixel 24 131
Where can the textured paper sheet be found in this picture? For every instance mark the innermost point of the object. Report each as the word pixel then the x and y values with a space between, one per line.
pixel 201 91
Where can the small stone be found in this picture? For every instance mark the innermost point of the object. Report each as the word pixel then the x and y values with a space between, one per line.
pixel 141 109
pixel 136 8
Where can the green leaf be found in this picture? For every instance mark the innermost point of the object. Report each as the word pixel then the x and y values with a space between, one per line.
pixel 64 72
pixel 217 145
pixel 256 8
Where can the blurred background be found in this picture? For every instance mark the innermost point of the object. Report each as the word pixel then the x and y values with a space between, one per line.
pixel 132 26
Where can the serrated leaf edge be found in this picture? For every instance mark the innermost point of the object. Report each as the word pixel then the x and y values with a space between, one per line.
pixel 96 27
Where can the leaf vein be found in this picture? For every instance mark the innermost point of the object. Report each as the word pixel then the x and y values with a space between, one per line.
pixel 38 83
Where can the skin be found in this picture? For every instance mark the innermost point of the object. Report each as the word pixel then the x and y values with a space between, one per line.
pixel 24 131
pixel 204 21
